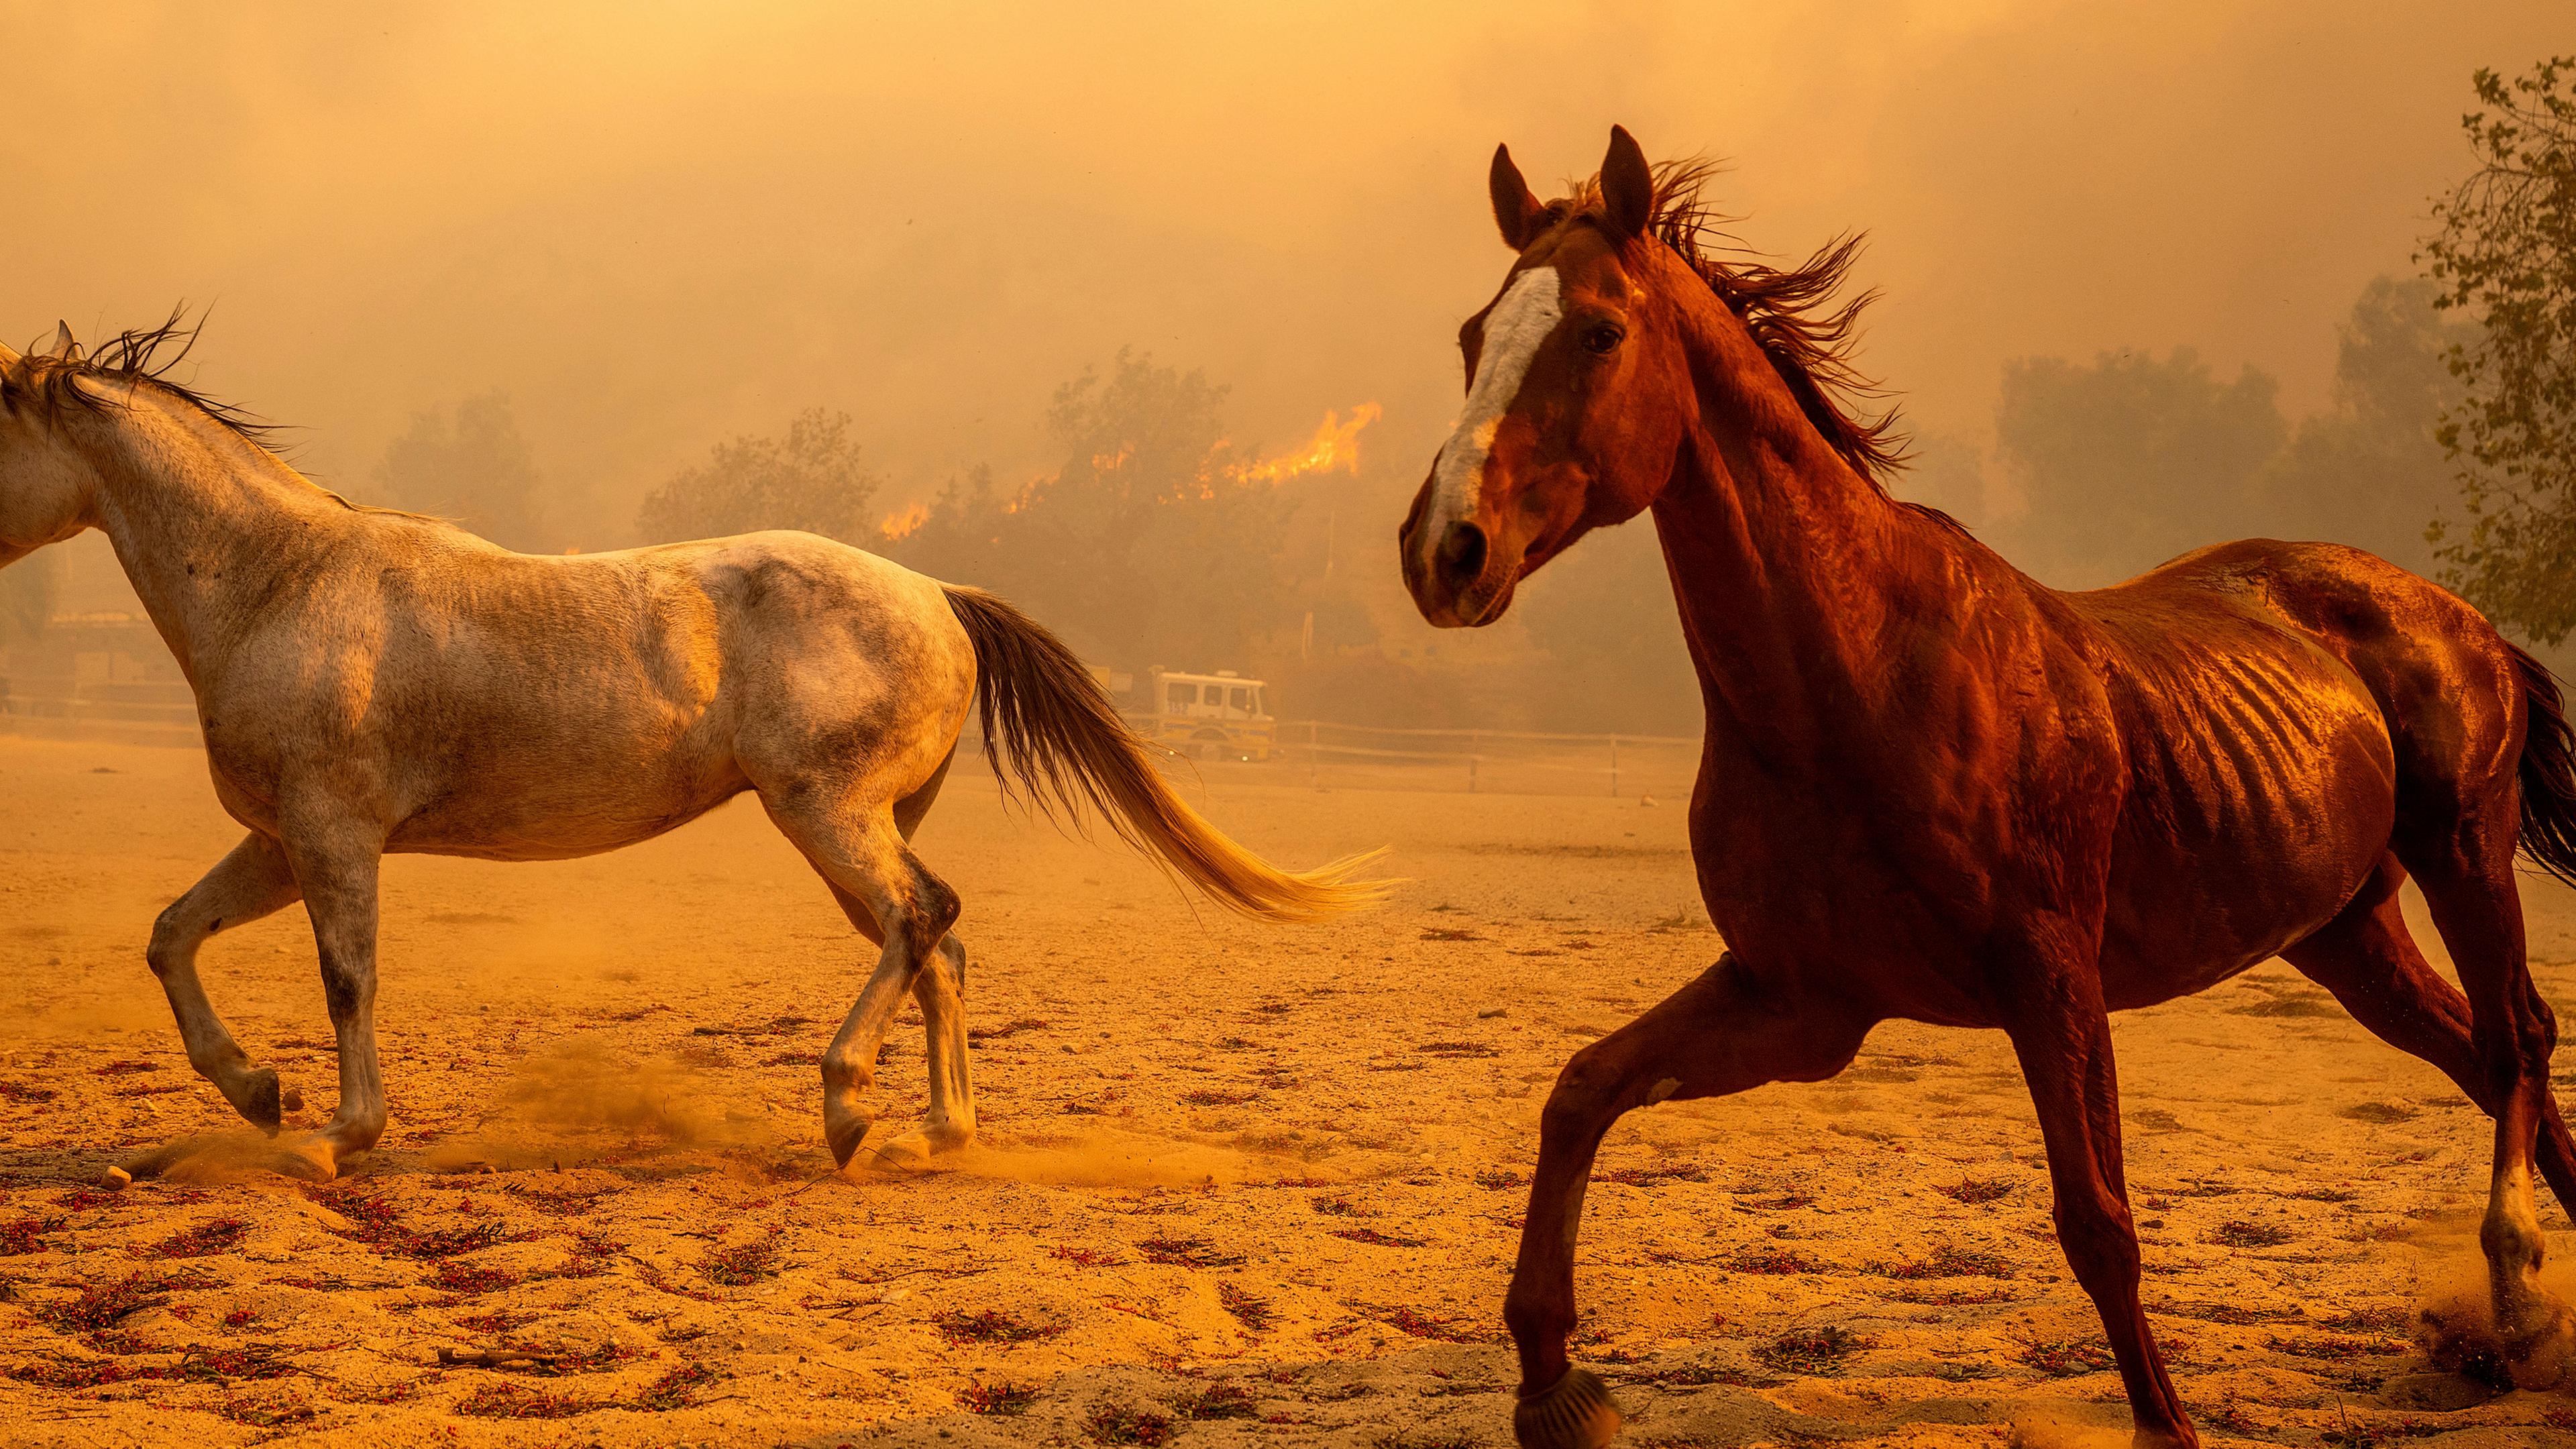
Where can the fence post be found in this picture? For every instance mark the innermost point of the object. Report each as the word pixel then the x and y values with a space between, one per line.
pixel 1314 758
pixel 1614 767
pixel 1471 774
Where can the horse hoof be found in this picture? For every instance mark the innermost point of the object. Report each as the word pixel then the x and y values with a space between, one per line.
pixel 844 1139
pixel 910 1152
pixel 2461 1337
pixel 290 1099
pixel 306 1157
pixel 159 1160
pixel 1574 1413
pixel 311 1162
pixel 262 1100
pixel 116 1179
pixel 2541 1356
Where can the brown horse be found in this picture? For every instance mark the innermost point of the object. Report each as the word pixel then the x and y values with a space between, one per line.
pixel 1935 790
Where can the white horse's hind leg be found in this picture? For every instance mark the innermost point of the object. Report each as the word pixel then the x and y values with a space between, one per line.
pixel 251 882
pixel 939 986
pixel 891 898
pixel 950 1123
pixel 941 991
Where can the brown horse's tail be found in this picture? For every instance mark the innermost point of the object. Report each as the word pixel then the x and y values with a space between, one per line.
pixel 2548 772
pixel 1051 730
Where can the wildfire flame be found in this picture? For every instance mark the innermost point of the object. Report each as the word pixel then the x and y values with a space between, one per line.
pixel 899 526
pixel 1335 447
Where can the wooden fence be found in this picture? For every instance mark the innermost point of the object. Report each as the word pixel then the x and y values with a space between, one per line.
pixel 1518 762
pixel 1328 755
pixel 1317 753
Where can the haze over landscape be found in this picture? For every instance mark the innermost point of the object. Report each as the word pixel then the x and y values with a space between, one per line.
pixel 1146 318
pixel 650 233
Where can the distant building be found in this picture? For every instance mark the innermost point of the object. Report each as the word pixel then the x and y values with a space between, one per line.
pixel 97 676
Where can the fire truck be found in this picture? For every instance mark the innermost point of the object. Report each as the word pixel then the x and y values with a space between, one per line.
pixel 1220 716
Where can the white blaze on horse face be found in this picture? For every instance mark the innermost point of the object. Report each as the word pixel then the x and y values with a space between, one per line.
pixel 1529 310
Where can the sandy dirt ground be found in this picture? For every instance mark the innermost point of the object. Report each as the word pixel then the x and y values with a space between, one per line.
pixel 1237 1183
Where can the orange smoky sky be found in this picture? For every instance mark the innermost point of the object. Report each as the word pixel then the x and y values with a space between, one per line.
pixel 658 225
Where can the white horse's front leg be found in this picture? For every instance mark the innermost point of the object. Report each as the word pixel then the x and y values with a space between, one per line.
pixel 251 882
pixel 337 867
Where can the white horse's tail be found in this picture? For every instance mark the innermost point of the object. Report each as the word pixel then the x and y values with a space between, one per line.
pixel 1051 730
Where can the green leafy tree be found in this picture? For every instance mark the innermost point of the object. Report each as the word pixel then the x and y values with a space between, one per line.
pixel 469 464
pixel 809 479
pixel 2369 471
pixel 2505 253
pixel 2129 461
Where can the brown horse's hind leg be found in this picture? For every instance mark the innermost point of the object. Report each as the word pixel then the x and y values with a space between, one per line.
pixel 251 882
pixel 1726 1031
pixel 2468 882
pixel 2063 1036
pixel 2369 960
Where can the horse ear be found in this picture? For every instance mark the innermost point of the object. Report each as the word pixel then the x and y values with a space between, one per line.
pixel 64 347
pixel 1627 185
pixel 1515 210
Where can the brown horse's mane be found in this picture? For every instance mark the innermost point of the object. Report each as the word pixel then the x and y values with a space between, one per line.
pixel 1792 313
pixel 137 356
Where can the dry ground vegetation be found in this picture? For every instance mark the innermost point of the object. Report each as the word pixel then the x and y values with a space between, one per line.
pixel 1237 1184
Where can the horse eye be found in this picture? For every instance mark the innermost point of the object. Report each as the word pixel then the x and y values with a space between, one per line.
pixel 1603 340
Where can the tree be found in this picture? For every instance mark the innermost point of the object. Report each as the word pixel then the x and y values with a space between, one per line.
pixel 2370 471
pixel 2506 254
pixel 471 466
pixel 1949 474
pixel 959 532
pixel 1150 544
pixel 809 479
pixel 2130 461
pixel 1604 612
pixel 28 589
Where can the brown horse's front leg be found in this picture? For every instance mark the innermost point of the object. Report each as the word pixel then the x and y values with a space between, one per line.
pixel 1726 1031
pixel 2063 1037
pixel 1561 1407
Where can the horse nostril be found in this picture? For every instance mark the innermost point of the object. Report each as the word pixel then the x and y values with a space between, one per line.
pixel 1412 525
pixel 1462 555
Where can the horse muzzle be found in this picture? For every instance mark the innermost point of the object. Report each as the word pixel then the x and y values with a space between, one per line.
pixel 1453 571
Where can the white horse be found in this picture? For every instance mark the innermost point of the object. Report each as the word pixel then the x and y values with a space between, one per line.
pixel 372 681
